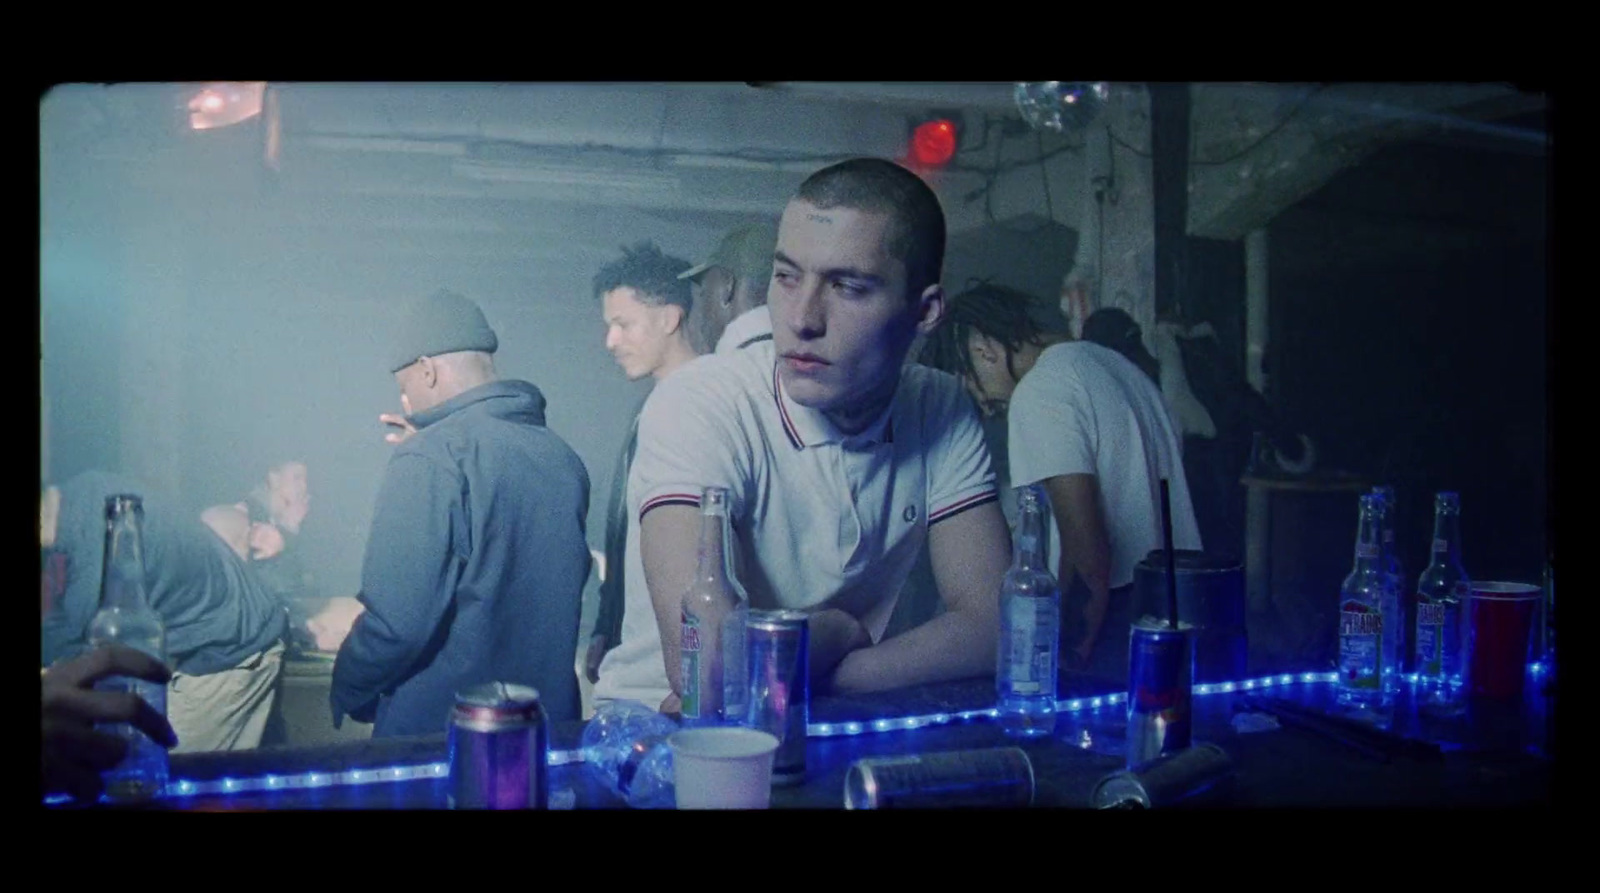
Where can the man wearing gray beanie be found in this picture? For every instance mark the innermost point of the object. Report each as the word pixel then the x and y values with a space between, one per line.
pixel 476 562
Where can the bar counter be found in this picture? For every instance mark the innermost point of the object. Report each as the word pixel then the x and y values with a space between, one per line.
pixel 1494 756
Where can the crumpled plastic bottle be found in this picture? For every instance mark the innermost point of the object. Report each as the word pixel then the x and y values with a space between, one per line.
pixel 625 745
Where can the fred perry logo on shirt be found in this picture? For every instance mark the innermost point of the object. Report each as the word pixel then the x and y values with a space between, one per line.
pixel 910 514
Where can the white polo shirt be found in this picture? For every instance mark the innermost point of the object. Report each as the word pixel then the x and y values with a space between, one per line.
pixel 1086 409
pixel 750 327
pixel 822 520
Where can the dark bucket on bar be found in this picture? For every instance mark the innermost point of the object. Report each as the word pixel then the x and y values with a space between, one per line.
pixel 1160 689
pixel 1199 776
pixel 498 742
pixel 780 693
pixel 1211 595
pixel 995 777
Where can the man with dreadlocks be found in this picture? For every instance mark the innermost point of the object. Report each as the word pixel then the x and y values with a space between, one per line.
pixel 1091 428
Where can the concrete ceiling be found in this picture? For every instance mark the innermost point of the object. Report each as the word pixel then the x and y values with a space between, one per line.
pixel 431 158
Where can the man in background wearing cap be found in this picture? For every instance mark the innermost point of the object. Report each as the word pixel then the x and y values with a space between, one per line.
pixel 476 561
pixel 1091 428
pixel 730 290
pixel 646 302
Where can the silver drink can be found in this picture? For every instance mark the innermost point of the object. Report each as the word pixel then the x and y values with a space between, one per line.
pixel 780 692
pixel 995 777
pixel 498 745
pixel 1200 775
pixel 1160 676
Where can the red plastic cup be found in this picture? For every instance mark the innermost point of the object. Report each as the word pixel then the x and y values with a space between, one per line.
pixel 1499 623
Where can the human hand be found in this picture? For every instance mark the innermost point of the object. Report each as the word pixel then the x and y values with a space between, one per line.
pixel 72 753
pixel 333 623
pixel 673 704
pixel 266 541
pixel 395 420
pixel 598 646
pixel 290 496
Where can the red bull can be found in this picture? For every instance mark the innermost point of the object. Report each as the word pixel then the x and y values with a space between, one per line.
pixel 498 744
pixel 996 777
pixel 1160 675
pixel 779 693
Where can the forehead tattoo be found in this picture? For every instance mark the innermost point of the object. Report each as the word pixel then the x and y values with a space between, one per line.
pixel 820 218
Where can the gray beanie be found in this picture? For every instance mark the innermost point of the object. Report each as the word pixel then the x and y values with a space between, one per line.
pixel 443 322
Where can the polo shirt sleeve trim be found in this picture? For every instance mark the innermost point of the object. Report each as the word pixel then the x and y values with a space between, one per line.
pixel 989 494
pixel 689 499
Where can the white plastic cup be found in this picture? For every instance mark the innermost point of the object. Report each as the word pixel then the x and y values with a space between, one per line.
pixel 722 767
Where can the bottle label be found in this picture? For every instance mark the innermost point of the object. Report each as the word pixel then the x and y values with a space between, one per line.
pixel 1366 550
pixel 1430 638
pixel 689 657
pixel 1441 547
pixel 1028 653
pixel 1360 642
pixel 152 693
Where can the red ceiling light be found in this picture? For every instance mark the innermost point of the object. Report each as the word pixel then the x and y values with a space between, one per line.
pixel 934 143
pixel 224 104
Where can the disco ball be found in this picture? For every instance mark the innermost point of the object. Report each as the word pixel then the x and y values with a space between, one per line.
pixel 1061 106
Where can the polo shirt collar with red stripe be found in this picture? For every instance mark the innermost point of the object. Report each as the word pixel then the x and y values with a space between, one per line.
pixel 807 427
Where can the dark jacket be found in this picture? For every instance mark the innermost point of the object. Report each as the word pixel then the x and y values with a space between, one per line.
pixel 613 598
pixel 474 569
pixel 215 611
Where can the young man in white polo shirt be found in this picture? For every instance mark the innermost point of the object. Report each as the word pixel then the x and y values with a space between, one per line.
pixel 1090 427
pixel 646 305
pixel 840 462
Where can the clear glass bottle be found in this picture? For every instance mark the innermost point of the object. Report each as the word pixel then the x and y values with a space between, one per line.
pixel 1442 592
pixel 126 618
pixel 1361 614
pixel 1030 624
pixel 1397 650
pixel 713 598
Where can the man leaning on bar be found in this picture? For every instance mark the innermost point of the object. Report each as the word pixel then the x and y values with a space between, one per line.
pixel 839 460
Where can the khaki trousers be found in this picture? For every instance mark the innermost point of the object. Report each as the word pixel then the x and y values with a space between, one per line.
pixel 226 710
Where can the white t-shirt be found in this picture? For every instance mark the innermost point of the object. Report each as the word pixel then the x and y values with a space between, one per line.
pixel 1086 409
pixel 822 520
pixel 749 327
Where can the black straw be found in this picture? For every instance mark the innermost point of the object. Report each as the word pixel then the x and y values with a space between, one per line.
pixel 1172 558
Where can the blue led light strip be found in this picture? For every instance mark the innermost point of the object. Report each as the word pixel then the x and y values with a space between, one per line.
pixel 1074 705
pixel 310 780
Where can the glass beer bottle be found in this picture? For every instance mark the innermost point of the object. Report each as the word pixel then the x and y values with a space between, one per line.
pixel 1396 651
pixel 712 598
pixel 126 618
pixel 1030 621
pixel 1361 615
pixel 1442 592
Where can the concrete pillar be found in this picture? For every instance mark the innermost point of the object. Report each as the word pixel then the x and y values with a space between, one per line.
pixel 1255 326
pixel 1258 518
